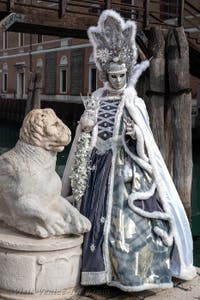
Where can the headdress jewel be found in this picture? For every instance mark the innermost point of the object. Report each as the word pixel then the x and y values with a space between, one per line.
pixel 113 40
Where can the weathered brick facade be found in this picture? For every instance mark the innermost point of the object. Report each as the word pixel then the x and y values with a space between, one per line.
pixel 57 57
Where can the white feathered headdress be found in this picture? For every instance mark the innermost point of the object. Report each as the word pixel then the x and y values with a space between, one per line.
pixel 113 40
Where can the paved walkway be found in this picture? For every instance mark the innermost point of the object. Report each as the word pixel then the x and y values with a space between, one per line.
pixel 183 290
pixel 188 290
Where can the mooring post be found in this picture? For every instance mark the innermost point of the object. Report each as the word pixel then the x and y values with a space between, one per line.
pixel 38 88
pixel 156 92
pixel 180 12
pixel 34 91
pixel 146 4
pixel 30 93
pixel 181 118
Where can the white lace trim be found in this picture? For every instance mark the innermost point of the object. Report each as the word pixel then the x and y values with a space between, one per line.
pixel 93 278
pixel 146 286
pixel 104 145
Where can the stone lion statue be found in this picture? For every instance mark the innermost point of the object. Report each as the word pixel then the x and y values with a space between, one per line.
pixel 30 189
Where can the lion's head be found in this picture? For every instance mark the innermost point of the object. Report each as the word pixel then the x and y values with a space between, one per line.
pixel 42 128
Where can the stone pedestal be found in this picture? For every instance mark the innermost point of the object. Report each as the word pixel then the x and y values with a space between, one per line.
pixel 32 268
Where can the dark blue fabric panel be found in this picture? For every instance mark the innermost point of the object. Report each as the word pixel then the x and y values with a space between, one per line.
pixel 94 208
pixel 151 204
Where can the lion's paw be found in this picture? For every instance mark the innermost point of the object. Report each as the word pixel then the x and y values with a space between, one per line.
pixel 55 224
pixel 69 222
pixel 82 225
pixel 77 222
pixel 41 232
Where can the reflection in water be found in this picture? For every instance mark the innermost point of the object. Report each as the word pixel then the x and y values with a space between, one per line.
pixel 61 160
pixel 195 200
pixel 9 133
pixel 196 188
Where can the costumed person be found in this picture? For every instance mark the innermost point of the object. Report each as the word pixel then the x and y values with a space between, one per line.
pixel 116 176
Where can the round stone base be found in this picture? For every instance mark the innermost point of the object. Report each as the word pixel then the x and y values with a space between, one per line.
pixel 32 268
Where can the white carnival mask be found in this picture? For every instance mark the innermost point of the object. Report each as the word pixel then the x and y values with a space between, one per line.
pixel 117 75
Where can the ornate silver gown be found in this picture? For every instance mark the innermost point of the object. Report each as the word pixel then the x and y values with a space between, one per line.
pixel 140 235
pixel 129 254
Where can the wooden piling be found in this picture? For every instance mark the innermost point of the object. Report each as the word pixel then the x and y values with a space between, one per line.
pixel 169 105
pixel 181 118
pixel 34 91
pixel 156 90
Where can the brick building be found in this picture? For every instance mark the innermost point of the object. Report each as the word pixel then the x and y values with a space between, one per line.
pixel 67 66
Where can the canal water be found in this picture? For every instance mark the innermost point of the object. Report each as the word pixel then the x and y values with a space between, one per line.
pixel 9 132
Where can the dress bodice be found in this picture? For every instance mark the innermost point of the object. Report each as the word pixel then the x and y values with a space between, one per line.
pixel 106 118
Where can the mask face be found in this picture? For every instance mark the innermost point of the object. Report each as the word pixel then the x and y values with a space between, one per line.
pixel 117 80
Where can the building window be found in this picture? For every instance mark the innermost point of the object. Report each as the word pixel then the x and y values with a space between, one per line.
pixel 20 69
pixel 93 79
pixel 20 84
pixel 5 40
pixel 21 39
pixel 63 80
pixel 5 82
pixel 40 38
pixel 92 75
pixel 39 63
pixel 63 75
pixel 5 78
